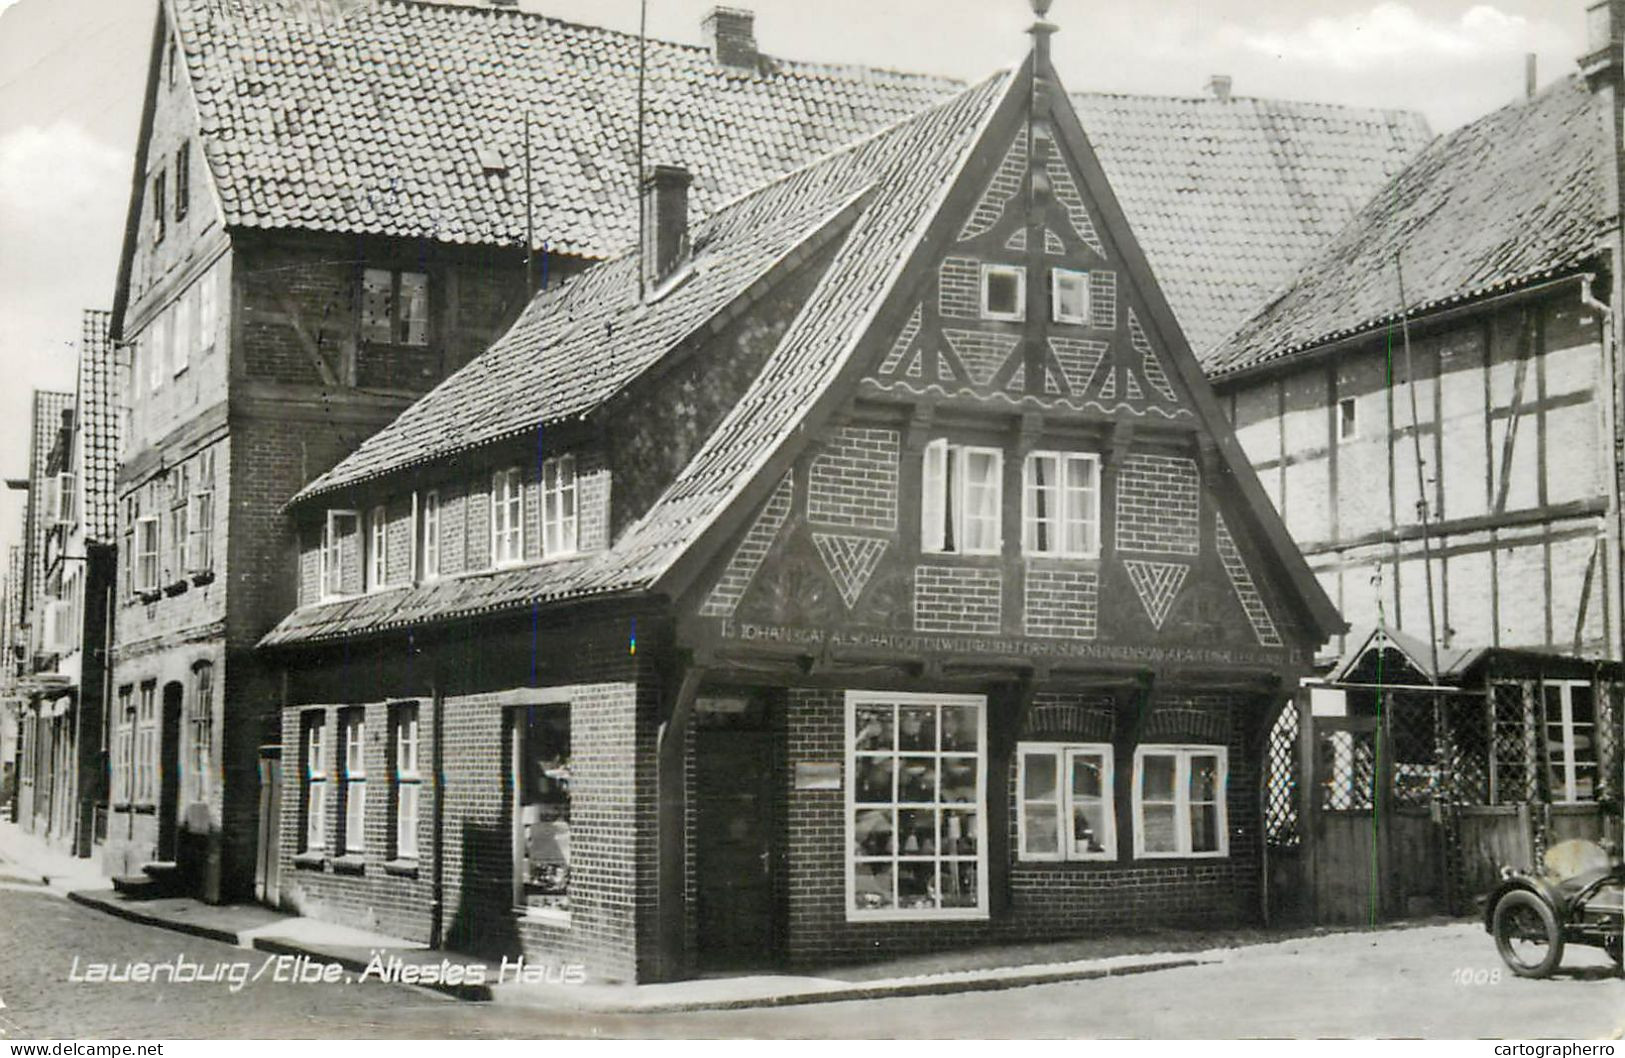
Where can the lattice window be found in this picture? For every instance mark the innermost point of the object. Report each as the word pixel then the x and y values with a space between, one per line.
pixel 1282 828
pixel 1413 740
pixel 1511 750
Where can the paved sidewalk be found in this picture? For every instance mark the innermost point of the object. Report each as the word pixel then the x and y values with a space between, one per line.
pixel 28 860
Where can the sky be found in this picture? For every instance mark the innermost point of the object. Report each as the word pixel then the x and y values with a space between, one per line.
pixel 72 73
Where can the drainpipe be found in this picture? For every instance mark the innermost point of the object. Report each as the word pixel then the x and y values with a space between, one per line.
pixel 1609 337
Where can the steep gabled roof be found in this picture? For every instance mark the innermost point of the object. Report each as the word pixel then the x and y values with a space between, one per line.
pixel 906 172
pixel 1229 196
pixel 1505 201
pixel 386 119
pixel 97 425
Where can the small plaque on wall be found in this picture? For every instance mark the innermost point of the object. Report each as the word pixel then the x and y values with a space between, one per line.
pixel 818 775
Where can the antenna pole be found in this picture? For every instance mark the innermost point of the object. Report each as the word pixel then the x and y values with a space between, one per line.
pixel 530 220
pixel 637 177
pixel 1421 477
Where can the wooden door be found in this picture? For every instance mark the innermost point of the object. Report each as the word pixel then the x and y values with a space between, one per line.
pixel 267 873
pixel 169 774
pixel 734 846
pixel 1346 804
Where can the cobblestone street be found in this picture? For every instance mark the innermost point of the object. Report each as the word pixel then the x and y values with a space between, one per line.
pixel 1437 981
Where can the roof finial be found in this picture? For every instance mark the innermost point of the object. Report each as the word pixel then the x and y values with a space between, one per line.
pixel 1042 29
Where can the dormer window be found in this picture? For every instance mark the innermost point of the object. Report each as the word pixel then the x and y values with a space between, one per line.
pixel 339 538
pixel 559 520
pixel 508 517
pixel 378 548
pixel 1004 292
pixel 394 307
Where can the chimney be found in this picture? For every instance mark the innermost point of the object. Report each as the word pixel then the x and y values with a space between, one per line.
pixel 665 223
pixel 1218 86
pixel 731 34
pixel 1531 75
pixel 1605 32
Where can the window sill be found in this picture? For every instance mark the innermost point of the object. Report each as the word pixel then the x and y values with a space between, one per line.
pixel 957 914
pixel 144 810
pixel 1222 854
pixel 350 863
pixel 550 916
pixel 310 861
pixel 402 868
pixel 1051 863
pixel 149 596
pixel 202 577
pixel 1053 556
pixel 174 588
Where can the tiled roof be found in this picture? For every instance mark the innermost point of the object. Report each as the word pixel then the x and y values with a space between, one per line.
pixel 1509 199
pixel 900 176
pixel 1229 197
pixel 381 121
pixel 97 425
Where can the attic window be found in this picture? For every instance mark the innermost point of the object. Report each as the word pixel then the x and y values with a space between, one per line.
pixel 492 163
pixel 1004 292
pixel 170 63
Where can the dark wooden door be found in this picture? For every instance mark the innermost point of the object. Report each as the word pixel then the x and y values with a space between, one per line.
pixel 169 774
pixel 734 846
pixel 1347 803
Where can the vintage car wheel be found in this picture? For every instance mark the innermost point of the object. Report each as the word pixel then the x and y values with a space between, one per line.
pixel 1526 934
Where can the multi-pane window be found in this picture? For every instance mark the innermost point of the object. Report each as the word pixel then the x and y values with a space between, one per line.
pixel 559 521
pixel 123 763
pixel 408 781
pixel 339 535
pixel 146 553
pixel 1065 802
pixel 1060 505
pixel 962 490
pixel 146 745
pixel 160 202
pixel 207 310
pixel 200 724
pixel 507 516
pixel 353 780
pixel 1179 801
pixel 200 526
pixel 314 750
pixel 183 180
pixel 181 340
pixel 541 772
pixel 1004 292
pixel 378 548
pixel 67 498
pixel 175 544
pixel 1069 296
pixel 915 819
pixel 158 351
pixel 394 307
pixel 429 536
pixel 1571 740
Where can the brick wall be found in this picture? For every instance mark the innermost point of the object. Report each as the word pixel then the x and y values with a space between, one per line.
pixel 963 599
pixel 1157 505
pixel 1060 602
pixel 853 481
pixel 959 289
pixel 1047 901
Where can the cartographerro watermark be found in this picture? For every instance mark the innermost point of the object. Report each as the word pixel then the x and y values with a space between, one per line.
pixel 303 969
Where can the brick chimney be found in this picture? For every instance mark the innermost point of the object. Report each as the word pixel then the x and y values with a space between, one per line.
pixel 665 222
pixel 1218 86
pixel 731 34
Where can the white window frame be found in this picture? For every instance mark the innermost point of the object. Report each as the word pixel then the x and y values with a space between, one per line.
pixel 508 517
pixel 1019 274
pixel 313 741
pixel 561 508
pixel 378 548
pixel 147 549
pixel 429 536
pixel 200 530
pixel 1182 755
pixel 65 498
pixel 353 780
pixel 399 322
pixel 200 724
pixel 1349 429
pixel 123 762
pixel 1060 278
pixel 332 586
pixel 408 784
pixel 858 699
pixel 1061 520
pixel 146 744
pixel 1568 768
pixel 1063 754
pixel 943 484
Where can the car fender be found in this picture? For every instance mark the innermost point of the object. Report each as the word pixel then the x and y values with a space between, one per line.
pixel 1536 884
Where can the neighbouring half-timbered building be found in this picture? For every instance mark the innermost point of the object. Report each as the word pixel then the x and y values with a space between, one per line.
pixel 866 569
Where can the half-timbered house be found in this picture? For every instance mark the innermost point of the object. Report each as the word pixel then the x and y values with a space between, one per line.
pixel 867 568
